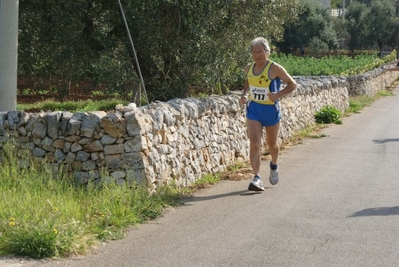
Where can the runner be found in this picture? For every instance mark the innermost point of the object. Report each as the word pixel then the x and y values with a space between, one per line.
pixel 261 94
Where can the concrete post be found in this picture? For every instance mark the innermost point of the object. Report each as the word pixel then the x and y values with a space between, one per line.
pixel 397 44
pixel 8 54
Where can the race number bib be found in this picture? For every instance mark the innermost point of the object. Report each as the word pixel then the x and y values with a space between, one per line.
pixel 259 94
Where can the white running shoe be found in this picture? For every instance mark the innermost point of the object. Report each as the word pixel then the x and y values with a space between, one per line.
pixel 273 178
pixel 256 184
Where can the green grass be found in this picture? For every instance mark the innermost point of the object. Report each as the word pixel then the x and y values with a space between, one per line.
pixel 237 166
pixel 205 181
pixel 73 106
pixel 359 102
pixel 44 214
pixel 311 132
pixel 331 65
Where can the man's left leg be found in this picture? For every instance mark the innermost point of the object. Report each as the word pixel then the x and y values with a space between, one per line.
pixel 274 148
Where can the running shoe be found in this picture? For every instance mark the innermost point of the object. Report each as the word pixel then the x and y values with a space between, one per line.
pixel 273 178
pixel 256 184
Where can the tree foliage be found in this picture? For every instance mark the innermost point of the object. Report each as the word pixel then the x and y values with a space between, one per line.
pixel 357 16
pixel 182 46
pixel 313 28
pixel 372 22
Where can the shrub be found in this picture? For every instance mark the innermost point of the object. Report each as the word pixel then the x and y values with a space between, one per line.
pixel 328 114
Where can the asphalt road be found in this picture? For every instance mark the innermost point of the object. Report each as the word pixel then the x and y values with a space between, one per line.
pixel 337 204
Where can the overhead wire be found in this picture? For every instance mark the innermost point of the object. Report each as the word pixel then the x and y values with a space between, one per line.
pixel 134 51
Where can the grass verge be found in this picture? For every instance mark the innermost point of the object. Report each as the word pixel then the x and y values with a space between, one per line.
pixel 359 102
pixel 44 214
pixel 73 106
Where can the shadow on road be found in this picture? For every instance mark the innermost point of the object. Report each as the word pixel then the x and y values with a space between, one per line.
pixel 381 211
pixel 383 141
pixel 188 200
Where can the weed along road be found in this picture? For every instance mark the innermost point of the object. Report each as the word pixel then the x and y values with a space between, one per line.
pixel 337 204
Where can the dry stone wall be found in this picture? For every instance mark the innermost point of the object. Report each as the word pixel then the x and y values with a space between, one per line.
pixel 179 140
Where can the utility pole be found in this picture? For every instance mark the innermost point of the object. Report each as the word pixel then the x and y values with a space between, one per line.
pixel 397 44
pixel 343 8
pixel 8 54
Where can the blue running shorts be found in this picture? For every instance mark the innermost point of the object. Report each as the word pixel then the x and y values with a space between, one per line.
pixel 267 115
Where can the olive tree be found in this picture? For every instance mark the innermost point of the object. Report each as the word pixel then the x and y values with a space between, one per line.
pixel 183 47
pixel 372 23
pixel 313 28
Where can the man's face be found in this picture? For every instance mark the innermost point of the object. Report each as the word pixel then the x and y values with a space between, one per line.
pixel 259 54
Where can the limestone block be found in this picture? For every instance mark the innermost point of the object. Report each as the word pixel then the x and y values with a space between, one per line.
pixel 48 148
pixel 163 149
pixel 66 116
pixel 23 118
pixel 163 159
pixel 49 157
pixel 198 107
pixel 97 135
pixel 153 157
pixel 13 119
pixel 39 130
pixel 73 124
pixel 113 161
pixel 47 141
pixel 183 131
pixel 29 145
pixel 70 157
pixel 135 160
pixel 38 152
pixel 59 155
pixel 94 146
pixel 114 125
pixel 73 138
pixel 53 123
pixel 75 147
pixel 67 147
pixel 95 156
pixel 85 141
pixel 118 175
pixel 76 165
pixel 23 139
pixel 169 118
pixel 58 143
pixel 134 176
pixel 82 156
pixel 158 117
pixel 108 139
pixel 89 165
pixel 91 123
pixel 138 123
pixel 137 144
pixel 22 131
pixel 114 149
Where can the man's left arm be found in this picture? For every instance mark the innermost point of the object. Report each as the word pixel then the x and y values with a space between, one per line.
pixel 287 79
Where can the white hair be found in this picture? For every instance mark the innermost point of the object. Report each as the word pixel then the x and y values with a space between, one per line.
pixel 260 41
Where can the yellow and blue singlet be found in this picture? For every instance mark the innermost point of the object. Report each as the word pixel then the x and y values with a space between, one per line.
pixel 260 107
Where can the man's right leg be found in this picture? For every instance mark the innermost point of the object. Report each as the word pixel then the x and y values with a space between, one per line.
pixel 254 129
